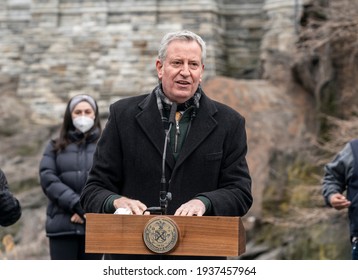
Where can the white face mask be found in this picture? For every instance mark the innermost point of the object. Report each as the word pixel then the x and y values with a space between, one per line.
pixel 83 123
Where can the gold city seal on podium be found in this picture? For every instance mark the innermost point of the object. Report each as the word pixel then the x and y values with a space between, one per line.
pixel 161 234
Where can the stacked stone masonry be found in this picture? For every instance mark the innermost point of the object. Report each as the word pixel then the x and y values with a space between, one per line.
pixel 52 49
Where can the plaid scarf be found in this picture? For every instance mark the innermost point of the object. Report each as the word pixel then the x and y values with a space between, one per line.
pixel 165 104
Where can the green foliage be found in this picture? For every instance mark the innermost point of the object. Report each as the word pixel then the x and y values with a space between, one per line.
pixel 303 173
pixel 287 182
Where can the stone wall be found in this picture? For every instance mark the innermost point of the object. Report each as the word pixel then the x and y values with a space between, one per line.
pixel 52 49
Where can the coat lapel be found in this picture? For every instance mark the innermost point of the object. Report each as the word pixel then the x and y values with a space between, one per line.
pixel 150 122
pixel 201 127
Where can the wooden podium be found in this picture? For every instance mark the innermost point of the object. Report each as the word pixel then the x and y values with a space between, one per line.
pixel 197 236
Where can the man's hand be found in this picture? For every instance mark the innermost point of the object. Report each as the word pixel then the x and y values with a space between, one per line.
pixel 194 207
pixel 135 206
pixel 339 201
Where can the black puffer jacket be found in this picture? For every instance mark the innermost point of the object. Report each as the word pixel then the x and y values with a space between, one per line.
pixel 10 208
pixel 62 178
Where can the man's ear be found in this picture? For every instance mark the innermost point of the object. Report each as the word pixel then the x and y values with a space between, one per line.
pixel 202 72
pixel 159 67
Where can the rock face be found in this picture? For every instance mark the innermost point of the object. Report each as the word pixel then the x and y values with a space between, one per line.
pixel 20 150
pixel 288 219
pixel 276 120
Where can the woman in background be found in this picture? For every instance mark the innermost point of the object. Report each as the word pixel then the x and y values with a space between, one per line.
pixel 63 173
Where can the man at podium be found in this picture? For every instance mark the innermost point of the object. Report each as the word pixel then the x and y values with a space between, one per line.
pixel 174 150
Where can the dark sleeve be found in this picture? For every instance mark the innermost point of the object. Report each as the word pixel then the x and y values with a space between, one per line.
pixel 104 179
pixel 337 173
pixel 10 208
pixel 78 209
pixel 207 204
pixel 108 206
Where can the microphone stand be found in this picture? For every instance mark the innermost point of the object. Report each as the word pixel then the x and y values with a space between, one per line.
pixel 164 195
